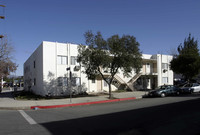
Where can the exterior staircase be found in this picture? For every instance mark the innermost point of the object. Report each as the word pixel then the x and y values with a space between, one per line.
pixel 132 80
pixel 117 81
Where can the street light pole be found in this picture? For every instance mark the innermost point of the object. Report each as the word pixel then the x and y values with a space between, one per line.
pixel 70 84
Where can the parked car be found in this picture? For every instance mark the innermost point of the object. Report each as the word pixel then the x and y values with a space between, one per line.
pixel 190 88
pixel 164 91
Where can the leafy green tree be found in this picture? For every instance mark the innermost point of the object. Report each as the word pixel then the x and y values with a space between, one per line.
pixel 111 55
pixel 187 62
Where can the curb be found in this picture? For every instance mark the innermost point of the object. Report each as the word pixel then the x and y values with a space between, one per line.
pixel 81 104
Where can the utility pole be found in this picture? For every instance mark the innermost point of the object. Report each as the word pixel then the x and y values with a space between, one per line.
pixel 1 36
pixel 2 17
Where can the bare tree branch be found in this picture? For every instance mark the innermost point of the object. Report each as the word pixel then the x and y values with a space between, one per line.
pixel 6 63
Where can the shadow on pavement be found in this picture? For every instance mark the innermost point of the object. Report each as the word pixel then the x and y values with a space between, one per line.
pixel 6 94
pixel 181 118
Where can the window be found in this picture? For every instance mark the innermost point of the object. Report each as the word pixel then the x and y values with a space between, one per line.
pixel 195 84
pixel 188 85
pixel 34 64
pixel 165 80
pixel 73 60
pixel 34 83
pixel 59 60
pixel 65 81
pixel 76 81
pixel 164 66
pixel 62 81
pixel 62 60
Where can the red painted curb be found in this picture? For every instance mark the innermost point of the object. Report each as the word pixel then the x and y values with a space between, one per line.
pixel 79 104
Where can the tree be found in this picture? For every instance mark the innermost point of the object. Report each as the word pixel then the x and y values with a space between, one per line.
pixel 187 62
pixel 111 55
pixel 6 63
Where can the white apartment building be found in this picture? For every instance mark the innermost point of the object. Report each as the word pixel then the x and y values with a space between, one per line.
pixel 45 72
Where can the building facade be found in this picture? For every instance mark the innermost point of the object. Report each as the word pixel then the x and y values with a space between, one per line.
pixel 47 72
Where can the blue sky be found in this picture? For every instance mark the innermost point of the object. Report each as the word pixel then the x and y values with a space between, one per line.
pixel 158 25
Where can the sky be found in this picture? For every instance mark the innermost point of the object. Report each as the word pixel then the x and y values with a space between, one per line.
pixel 158 25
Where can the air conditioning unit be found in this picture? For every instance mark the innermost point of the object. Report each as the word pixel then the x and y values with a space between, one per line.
pixel 77 68
pixel 164 70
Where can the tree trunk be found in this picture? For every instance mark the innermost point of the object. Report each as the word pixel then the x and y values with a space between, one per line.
pixel 1 84
pixel 110 94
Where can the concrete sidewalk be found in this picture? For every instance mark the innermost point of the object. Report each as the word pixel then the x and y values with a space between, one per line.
pixel 8 102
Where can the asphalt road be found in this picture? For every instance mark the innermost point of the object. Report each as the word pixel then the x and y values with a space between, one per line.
pixel 149 116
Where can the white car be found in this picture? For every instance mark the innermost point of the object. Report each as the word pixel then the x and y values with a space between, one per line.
pixel 190 88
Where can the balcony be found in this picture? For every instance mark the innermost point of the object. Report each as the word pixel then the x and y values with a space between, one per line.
pixel 150 73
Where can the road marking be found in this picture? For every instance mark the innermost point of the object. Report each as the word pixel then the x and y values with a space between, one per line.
pixel 27 117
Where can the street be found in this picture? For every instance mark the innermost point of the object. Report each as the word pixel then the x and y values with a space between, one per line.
pixel 148 116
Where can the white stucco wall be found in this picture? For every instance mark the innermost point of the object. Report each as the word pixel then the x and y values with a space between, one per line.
pixel 48 70
pixel 53 70
pixel 31 73
pixel 169 73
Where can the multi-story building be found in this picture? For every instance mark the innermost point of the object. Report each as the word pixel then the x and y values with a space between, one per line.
pixel 45 72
